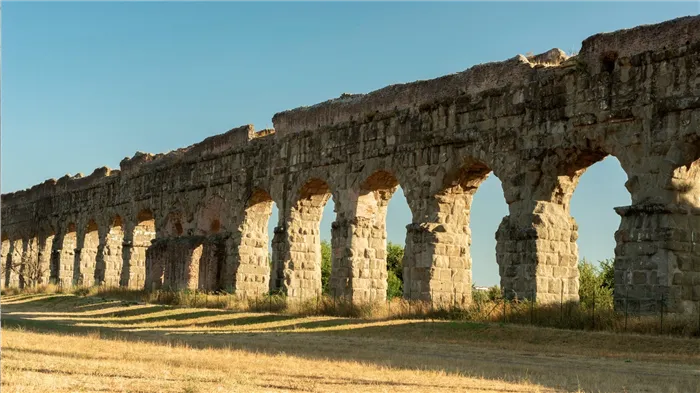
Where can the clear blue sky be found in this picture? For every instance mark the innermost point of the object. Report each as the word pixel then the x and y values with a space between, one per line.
pixel 86 84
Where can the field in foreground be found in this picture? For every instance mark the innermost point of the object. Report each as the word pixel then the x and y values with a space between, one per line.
pixel 68 343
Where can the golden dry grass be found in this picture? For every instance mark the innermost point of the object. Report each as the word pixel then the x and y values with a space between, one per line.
pixel 59 342
pixel 47 362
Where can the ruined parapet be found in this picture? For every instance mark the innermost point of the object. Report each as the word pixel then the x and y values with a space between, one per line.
pixel 404 96
pixel 599 52
pixel 213 146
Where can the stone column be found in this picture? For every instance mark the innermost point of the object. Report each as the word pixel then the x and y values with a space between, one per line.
pixel 657 258
pixel 437 265
pixel 341 280
pixel 64 257
pixel 137 239
pixel 87 250
pixel 212 264
pixel 437 262
pixel 537 253
pixel 156 259
pixel 100 262
pixel 5 260
pixel 125 274
pixel 30 272
pixel 359 259
pixel 10 261
pixel 301 264
pixel 179 260
pixel 249 264
pixel 14 259
pixel 89 246
pixel 279 250
pixel 55 258
pixel 536 243
pixel 45 252
pixel 111 255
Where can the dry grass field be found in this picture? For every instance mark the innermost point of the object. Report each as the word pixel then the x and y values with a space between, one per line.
pixel 67 343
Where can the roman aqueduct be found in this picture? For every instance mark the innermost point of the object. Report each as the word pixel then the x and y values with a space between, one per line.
pixel 197 217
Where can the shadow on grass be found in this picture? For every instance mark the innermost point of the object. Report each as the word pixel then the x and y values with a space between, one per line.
pixel 243 321
pixel 320 324
pixel 402 344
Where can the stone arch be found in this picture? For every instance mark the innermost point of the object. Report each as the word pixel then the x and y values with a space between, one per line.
pixel 86 254
pixel 302 265
pixel 656 257
pixel 368 275
pixel 112 259
pixel 138 240
pixel 251 268
pixel 536 243
pixel 437 258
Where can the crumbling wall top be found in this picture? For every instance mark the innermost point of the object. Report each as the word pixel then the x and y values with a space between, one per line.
pixel 595 50
pixel 213 145
pixel 624 43
pixel 350 107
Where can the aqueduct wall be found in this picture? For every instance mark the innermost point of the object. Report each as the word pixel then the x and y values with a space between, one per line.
pixel 197 217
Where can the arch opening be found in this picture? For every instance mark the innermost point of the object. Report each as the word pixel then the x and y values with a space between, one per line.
pixel 600 188
pixel 398 218
pixel 276 244
pixel 486 210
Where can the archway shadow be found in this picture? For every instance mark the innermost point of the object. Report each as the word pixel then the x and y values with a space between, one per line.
pixel 438 346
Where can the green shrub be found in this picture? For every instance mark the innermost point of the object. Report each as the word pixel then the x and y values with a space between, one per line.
pixel 608 271
pixel 479 297
pixel 394 259
pixel 326 265
pixel 394 286
pixel 494 293
pixel 592 286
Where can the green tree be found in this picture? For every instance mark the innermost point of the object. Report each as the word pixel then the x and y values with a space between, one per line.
pixel 394 267
pixel 592 286
pixel 608 271
pixel 394 259
pixel 394 286
pixel 325 265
